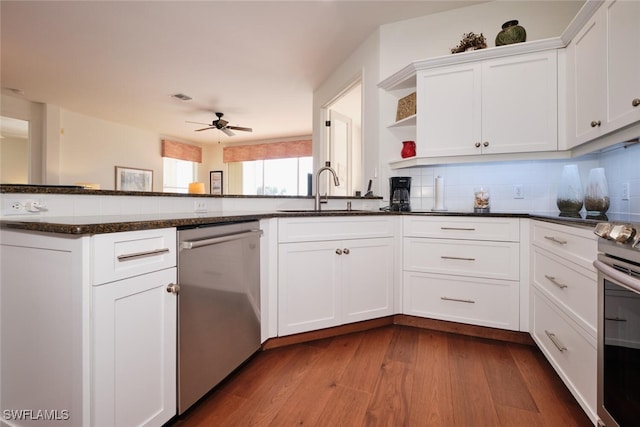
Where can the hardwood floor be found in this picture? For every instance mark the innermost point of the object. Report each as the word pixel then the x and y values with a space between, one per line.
pixel 392 376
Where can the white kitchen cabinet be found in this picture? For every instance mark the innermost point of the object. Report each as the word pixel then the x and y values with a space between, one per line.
pixel 564 305
pixel 462 269
pixel 72 318
pixel 134 328
pixel 324 281
pixel 484 107
pixel 603 64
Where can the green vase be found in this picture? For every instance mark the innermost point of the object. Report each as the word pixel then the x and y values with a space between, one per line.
pixel 511 33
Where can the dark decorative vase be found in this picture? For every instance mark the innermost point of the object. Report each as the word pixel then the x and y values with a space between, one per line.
pixel 408 149
pixel 511 33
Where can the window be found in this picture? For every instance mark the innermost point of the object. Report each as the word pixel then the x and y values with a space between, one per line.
pixel 178 174
pixel 276 177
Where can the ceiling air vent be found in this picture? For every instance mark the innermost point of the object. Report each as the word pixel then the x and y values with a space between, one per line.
pixel 181 97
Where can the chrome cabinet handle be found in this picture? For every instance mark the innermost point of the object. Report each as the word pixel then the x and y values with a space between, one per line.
pixel 555 282
pixel 137 255
pixel 339 251
pixel 555 341
pixel 173 288
pixel 485 144
pixel 457 228
pixel 194 244
pixel 468 301
pixel 615 319
pixel 457 258
pixel 635 102
pixel 346 251
pixel 556 240
pixel 595 124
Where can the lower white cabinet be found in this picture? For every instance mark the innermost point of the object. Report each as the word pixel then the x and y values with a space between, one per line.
pixel 564 305
pixel 134 351
pixel 324 283
pixel 88 328
pixel 463 270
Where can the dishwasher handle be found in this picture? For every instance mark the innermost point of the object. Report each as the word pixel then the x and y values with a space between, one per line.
pixel 193 244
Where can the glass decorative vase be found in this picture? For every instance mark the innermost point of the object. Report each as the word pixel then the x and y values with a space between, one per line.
pixel 570 196
pixel 596 195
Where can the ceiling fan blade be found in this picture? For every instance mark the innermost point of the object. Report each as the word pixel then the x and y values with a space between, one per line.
pixel 240 128
pixel 227 131
pixel 207 128
pixel 198 123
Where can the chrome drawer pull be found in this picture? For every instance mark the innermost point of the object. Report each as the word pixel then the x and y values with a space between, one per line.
pixel 555 282
pixel 458 258
pixel 468 301
pixel 555 341
pixel 555 239
pixel 457 228
pixel 129 257
pixel 615 319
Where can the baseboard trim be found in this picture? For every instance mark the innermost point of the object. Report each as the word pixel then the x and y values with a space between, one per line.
pixel 404 320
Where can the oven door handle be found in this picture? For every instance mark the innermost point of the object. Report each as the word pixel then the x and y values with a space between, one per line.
pixel 623 279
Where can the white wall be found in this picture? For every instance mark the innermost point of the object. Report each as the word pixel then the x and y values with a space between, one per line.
pixel 434 35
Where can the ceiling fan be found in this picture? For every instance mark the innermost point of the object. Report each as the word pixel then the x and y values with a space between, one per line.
pixel 222 125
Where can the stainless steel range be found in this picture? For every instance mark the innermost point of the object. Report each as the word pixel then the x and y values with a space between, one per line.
pixel 618 266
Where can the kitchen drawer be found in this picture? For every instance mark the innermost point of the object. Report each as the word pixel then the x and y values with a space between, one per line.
pixel 120 255
pixel 571 351
pixel 311 229
pixel 483 302
pixel 570 285
pixel 494 260
pixel 576 244
pixel 466 228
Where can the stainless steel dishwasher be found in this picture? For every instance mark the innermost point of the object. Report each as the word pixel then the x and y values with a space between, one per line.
pixel 218 304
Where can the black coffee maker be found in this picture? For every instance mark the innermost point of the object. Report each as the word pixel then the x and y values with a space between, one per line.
pixel 399 194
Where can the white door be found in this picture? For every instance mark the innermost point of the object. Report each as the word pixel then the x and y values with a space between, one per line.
pixel 339 146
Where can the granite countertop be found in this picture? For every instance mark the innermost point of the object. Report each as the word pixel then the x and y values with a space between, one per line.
pixel 81 225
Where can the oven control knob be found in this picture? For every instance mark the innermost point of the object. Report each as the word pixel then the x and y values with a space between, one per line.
pixel 603 229
pixel 622 233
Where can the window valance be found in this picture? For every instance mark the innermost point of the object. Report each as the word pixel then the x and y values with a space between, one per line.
pixel 181 151
pixel 273 150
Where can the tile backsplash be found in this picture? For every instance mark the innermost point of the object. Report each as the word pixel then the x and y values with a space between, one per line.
pixel 537 179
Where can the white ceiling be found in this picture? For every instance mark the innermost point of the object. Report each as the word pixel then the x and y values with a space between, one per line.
pixel 256 61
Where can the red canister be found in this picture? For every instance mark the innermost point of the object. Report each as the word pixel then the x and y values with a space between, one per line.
pixel 408 149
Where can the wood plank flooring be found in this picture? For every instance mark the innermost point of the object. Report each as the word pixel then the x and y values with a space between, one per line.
pixel 392 376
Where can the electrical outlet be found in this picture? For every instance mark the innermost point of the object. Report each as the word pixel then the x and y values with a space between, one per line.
pixel 19 207
pixel 518 193
pixel 625 191
pixel 199 206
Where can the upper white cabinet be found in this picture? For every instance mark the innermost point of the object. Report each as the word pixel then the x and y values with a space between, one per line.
pixel 603 65
pixel 497 106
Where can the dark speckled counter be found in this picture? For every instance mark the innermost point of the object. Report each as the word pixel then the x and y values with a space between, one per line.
pixel 117 223
pixel 82 225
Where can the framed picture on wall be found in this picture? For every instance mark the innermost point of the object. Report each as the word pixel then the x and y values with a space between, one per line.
pixel 133 179
pixel 215 181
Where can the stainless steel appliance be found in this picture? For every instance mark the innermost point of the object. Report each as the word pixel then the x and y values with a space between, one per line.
pixel 218 305
pixel 399 196
pixel 618 265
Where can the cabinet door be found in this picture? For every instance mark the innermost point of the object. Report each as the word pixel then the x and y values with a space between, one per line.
pixel 586 67
pixel 520 104
pixel 367 279
pixel 623 54
pixel 308 286
pixel 134 351
pixel 449 117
